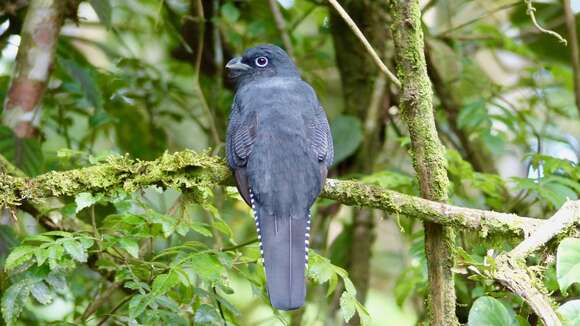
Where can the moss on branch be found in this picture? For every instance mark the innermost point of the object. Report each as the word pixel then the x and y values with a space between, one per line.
pixel 189 171
pixel 183 170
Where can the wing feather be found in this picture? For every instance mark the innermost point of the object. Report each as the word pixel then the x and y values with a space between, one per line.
pixel 239 144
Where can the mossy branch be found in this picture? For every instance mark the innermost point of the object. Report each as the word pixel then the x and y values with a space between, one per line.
pixel 510 267
pixel 188 171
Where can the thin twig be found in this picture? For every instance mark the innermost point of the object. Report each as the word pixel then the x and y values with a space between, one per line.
pixel 117 307
pixel 104 297
pixel 197 72
pixel 219 304
pixel 241 245
pixel 300 19
pixel 281 26
pixel 531 12
pixel 476 19
pixel 574 51
pixel 365 42
pixel 201 38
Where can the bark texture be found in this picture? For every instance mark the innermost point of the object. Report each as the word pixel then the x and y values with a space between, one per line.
pixel 34 61
pixel 189 171
pixel 427 152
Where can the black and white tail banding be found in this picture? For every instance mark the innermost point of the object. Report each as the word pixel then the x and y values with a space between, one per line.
pixel 284 244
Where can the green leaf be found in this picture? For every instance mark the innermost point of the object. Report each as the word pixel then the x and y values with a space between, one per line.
pixel 347 136
pixel 405 285
pixel 86 243
pixel 347 306
pixel 167 222
pixel 8 237
pixel 230 12
pixel 348 286
pixel 571 313
pixel 207 267
pixel 390 180
pixel 18 256
pixel 363 314
pixel 473 115
pixel 41 293
pixel 13 301
pixel 320 269
pixel 103 10
pixel 130 245
pixel 488 311
pixel 57 281
pixel 84 75
pixel 206 315
pixel 54 255
pixel 25 154
pixel 83 200
pixel 201 229
pixel 75 250
pixel 137 305
pixel 222 226
pixel 59 234
pixel 41 255
pixel 556 193
pixel 568 263
pixel 164 282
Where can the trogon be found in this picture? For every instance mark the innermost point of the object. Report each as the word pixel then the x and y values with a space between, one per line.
pixel 279 147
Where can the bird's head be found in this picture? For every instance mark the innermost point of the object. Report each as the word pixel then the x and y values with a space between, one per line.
pixel 262 61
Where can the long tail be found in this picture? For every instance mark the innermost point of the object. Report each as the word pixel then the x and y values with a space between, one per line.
pixel 284 247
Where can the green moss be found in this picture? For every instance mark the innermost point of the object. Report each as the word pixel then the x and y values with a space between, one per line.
pixel 186 170
pixel 428 153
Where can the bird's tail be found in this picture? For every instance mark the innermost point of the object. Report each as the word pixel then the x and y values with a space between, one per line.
pixel 284 248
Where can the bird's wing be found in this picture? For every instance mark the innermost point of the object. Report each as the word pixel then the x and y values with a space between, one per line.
pixel 239 143
pixel 321 138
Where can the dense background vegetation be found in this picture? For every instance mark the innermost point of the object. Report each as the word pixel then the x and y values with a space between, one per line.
pixel 145 77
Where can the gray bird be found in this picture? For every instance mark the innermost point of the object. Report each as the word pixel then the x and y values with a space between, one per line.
pixel 279 147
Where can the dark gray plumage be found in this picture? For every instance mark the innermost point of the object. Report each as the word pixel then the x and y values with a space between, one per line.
pixel 279 147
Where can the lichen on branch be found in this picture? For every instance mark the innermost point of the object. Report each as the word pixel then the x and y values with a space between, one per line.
pixel 189 171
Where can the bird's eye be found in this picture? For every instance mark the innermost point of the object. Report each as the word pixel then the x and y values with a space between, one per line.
pixel 261 62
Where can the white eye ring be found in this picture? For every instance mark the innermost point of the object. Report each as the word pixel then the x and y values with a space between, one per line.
pixel 261 62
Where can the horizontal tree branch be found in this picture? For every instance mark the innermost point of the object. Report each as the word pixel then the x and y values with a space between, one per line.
pixel 188 170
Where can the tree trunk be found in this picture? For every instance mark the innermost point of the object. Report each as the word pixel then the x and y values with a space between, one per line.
pixel 427 151
pixel 34 61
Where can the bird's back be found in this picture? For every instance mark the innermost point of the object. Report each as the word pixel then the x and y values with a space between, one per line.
pixel 285 174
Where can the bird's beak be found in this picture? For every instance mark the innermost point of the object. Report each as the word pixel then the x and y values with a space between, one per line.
pixel 237 64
